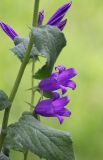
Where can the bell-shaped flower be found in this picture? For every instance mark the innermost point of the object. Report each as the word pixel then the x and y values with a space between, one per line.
pixel 53 108
pixel 8 30
pixel 59 80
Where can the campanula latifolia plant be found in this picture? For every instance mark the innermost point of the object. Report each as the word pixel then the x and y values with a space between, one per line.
pixel 29 133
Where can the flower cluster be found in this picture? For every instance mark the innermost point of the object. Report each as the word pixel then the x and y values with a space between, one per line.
pixel 55 107
pixel 55 20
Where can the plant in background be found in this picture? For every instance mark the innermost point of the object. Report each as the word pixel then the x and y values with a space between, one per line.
pixel 29 134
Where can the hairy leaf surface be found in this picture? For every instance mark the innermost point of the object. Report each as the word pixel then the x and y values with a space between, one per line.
pixel 46 142
pixel 3 156
pixel 48 42
pixel 4 101
pixel 21 45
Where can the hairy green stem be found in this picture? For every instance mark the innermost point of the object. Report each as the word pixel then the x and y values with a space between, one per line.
pixel 35 24
pixel 32 84
pixel 19 77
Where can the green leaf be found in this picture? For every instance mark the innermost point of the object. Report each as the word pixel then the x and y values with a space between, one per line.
pixel 49 41
pixel 4 101
pixel 3 156
pixel 46 142
pixel 20 48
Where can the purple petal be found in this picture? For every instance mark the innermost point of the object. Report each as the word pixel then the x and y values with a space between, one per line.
pixel 67 74
pixel 60 118
pixel 56 21
pixel 45 108
pixel 70 84
pixel 59 14
pixel 41 18
pixel 49 84
pixel 8 30
pixel 62 24
pixel 61 102
pixel 65 112
pixel 63 88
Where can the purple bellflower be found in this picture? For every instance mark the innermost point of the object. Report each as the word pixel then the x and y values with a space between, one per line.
pixel 59 80
pixel 8 30
pixel 57 17
pixel 54 108
pixel 55 20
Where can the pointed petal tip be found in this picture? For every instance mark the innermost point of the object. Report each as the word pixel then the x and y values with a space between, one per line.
pixel 66 99
pixel 73 71
pixel 71 84
pixel 60 118
pixel 62 24
pixel 69 3
pixel 42 11
pixel 59 14
pixel 8 30
pixel 74 87
pixel 69 113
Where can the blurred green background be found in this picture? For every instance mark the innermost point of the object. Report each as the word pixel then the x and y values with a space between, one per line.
pixel 84 51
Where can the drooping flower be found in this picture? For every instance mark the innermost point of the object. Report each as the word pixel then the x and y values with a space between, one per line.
pixel 54 108
pixel 57 18
pixel 59 80
pixel 8 30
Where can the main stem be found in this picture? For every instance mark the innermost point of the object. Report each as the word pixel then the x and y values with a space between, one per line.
pixel 19 76
pixel 35 24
